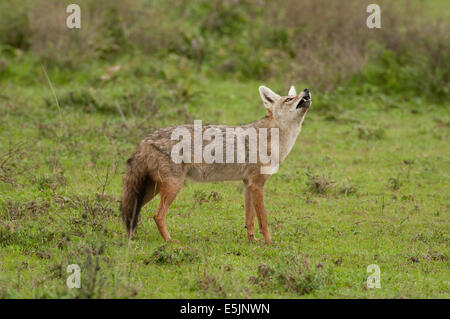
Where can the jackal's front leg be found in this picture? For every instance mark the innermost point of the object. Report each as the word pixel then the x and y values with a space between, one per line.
pixel 249 213
pixel 257 197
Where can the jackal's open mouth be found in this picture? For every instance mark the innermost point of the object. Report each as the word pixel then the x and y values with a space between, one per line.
pixel 304 102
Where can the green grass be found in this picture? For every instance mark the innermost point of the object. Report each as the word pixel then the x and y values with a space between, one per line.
pixel 366 183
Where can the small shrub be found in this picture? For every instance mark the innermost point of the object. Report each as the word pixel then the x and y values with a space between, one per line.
pixel 212 286
pixel 167 254
pixel 215 196
pixel 93 281
pixel 50 181
pixel 14 25
pixel 83 99
pixel 319 184
pixel 26 235
pixel 394 183
pixel 347 189
pixel 9 167
pixel 371 133
pixel 200 196
pixel 47 130
pixel 223 17
pixel 13 210
pixel 294 276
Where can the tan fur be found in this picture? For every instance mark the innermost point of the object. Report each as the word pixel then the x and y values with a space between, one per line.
pixel 151 170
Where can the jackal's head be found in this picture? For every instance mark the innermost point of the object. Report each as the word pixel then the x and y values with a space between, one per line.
pixel 292 107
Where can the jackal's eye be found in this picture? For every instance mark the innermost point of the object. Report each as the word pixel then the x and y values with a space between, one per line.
pixel 288 99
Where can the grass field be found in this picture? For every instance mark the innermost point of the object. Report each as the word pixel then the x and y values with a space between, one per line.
pixel 366 183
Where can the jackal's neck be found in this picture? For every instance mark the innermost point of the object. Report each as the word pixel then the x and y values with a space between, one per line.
pixel 288 132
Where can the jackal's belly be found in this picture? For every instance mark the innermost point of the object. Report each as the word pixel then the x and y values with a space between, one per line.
pixel 216 172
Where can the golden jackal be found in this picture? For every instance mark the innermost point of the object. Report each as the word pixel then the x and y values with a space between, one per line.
pixel 166 157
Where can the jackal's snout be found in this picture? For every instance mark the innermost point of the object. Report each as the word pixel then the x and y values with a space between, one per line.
pixel 305 101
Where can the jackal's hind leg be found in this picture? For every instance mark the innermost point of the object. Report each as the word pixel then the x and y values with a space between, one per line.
pixel 150 192
pixel 168 191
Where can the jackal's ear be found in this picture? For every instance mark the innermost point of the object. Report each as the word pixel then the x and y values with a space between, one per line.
pixel 292 91
pixel 268 96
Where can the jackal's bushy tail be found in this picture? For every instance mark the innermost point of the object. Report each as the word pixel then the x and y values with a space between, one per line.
pixel 135 184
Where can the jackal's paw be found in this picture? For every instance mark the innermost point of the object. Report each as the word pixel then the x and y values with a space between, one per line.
pixel 253 239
